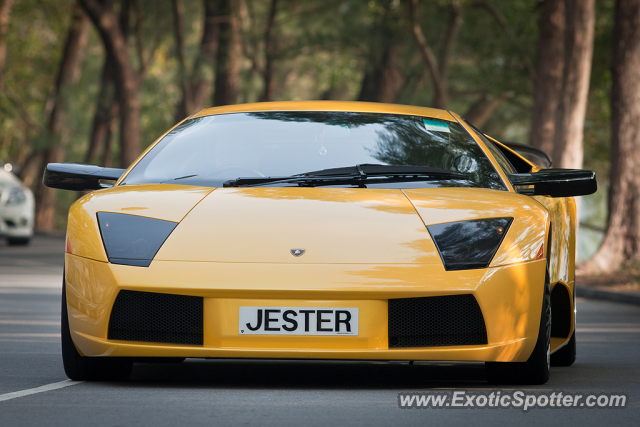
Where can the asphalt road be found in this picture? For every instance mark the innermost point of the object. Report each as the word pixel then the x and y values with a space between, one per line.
pixel 277 393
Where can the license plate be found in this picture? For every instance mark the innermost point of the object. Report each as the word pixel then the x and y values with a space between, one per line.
pixel 298 321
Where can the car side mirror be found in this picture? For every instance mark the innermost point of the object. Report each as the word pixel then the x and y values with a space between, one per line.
pixel 555 182
pixel 78 177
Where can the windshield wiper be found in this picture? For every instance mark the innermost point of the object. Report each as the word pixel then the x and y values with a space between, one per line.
pixel 353 175
pixel 185 177
pixel 179 178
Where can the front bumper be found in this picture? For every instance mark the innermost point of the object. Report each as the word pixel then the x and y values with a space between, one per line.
pixel 510 298
pixel 16 221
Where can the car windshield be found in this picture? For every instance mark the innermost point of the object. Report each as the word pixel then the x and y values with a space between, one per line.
pixel 210 150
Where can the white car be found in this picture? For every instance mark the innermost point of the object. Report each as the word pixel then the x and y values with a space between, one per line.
pixel 16 208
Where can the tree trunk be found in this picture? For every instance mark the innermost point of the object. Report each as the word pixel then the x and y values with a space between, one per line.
pixel 229 55
pixel 549 74
pixel 201 78
pixel 382 80
pixel 107 107
pixel 451 36
pixel 201 83
pixel 481 110
pixel 440 96
pixel 68 73
pixel 107 155
pixel 187 99
pixel 269 47
pixel 127 80
pixel 568 150
pixel 5 16
pixel 106 112
pixel 439 71
pixel 622 241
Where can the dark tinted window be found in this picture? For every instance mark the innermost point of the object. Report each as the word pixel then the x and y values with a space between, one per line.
pixel 213 149
pixel 504 163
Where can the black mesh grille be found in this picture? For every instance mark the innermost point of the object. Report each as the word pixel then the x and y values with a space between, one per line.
pixel 560 312
pixel 152 317
pixel 436 321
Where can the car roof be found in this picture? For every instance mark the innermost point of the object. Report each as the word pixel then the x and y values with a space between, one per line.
pixel 346 106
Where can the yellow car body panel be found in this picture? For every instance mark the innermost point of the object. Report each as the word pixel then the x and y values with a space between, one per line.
pixel 512 328
pixel 526 234
pixel 561 267
pixel 562 245
pixel 263 224
pixel 149 201
pixel 347 106
pixel 364 247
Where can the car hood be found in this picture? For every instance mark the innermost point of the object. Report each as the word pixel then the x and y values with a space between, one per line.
pixel 333 225
pixel 329 225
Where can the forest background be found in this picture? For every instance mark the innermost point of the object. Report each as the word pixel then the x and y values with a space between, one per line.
pixel 99 80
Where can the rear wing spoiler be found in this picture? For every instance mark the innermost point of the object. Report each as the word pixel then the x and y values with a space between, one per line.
pixel 535 155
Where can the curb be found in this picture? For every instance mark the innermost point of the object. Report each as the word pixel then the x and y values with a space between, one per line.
pixel 614 296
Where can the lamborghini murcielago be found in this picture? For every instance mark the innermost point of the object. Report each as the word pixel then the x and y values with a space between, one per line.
pixel 322 230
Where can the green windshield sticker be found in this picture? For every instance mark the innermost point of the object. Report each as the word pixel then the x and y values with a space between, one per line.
pixel 435 126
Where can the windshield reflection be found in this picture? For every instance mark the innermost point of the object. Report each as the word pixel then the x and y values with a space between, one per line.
pixel 209 150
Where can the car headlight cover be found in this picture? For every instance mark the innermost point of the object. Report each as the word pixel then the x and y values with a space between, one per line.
pixel 16 196
pixel 470 244
pixel 131 239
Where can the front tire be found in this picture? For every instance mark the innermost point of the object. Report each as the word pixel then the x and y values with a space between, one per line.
pixel 536 369
pixel 18 241
pixel 81 368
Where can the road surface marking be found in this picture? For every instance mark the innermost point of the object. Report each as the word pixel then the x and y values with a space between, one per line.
pixel 48 387
pixel 31 281
pixel 11 335
pixel 30 322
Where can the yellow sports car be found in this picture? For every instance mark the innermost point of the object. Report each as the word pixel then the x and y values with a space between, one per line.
pixel 322 230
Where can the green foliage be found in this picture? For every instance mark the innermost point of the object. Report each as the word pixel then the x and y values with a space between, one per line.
pixel 597 123
pixel 34 44
pixel 322 49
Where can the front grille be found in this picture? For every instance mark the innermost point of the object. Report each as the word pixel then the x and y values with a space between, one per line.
pixel 436 321
pixel 560 312
pixel 161 318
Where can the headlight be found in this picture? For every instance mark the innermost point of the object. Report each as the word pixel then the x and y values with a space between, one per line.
pixel 16 196
pixel 133 240
pixel 469 244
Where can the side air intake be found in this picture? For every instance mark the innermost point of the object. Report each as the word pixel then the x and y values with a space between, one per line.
pixel 436 321
pixel 160 318
pixel 560 312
